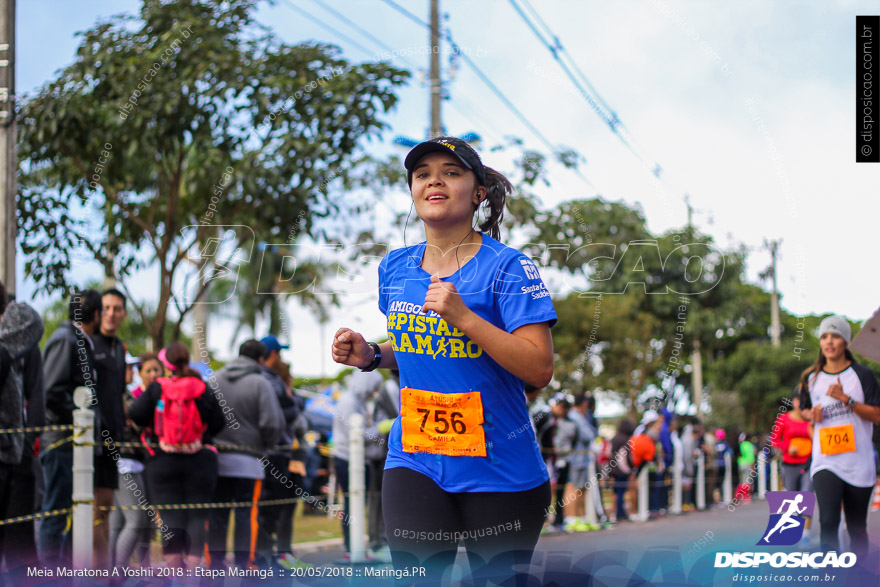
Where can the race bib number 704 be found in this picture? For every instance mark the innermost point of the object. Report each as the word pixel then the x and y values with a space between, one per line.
pixel 442 423
pixel 837 439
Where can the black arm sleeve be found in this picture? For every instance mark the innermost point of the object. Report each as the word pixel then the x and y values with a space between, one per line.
pixel 142 410
pixel 804 396
pixel 34 389
pixel 210 411
pixel 57 371
pixel 869 384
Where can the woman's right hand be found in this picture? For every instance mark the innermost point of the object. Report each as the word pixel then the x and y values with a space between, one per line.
pixel 350 348
pixel 816 414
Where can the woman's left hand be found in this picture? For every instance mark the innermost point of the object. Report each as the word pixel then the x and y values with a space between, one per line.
pixel 835 390
pixel 443 298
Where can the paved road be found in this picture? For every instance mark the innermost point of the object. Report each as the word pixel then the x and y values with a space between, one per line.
pixel 674 550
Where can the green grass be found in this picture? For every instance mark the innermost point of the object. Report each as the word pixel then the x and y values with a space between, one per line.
pixel 306 528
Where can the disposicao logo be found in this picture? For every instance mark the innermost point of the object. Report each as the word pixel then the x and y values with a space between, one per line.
pixel 785 528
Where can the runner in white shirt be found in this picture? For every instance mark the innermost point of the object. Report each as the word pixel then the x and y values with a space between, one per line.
pixel 841 397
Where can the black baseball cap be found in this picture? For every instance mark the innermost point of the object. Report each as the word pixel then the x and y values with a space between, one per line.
pixel 462 151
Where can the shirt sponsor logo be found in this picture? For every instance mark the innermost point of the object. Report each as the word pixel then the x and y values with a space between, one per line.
pixel 530 270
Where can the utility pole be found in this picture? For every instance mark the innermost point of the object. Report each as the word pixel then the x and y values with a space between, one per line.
pixel 436 84
pixel 696 356
pixel 697 379
pixel 773 246
pixel 687 202
pixel 8 162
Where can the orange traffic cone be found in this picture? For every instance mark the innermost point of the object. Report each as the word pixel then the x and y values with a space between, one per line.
pixel 875 505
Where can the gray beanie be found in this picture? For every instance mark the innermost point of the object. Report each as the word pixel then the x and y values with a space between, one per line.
pixel 836 325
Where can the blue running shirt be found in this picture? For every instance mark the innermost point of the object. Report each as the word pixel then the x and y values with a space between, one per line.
pixel 502 286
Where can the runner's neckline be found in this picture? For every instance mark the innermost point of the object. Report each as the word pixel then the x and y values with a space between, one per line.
pixel 838 372
pixel 423 247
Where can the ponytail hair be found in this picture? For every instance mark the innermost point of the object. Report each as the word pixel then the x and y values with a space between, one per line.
pixel 497 189
pixel 177 355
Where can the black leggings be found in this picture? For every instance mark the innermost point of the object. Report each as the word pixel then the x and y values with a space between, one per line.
pixel 183 478
pixel 559 505
pixel 831 491
pixel 424 524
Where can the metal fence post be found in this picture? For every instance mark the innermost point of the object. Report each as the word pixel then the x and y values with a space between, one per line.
pixel 727 488
pixel 701 481
pixel 83 476
pixel 356 490
pixel 774 475
pixel 762 474
pixel 643 494
pixel 590 498
pixel 677 466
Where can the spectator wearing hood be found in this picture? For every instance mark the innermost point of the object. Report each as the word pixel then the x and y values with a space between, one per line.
pixel 288 465
pixel 360 387
pixel 253 403
pixel 20 330
pixel 68 363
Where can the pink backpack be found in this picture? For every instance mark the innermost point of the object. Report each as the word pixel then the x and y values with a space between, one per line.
pixel 177 422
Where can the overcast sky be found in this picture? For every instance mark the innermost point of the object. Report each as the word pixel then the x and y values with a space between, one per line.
pixel 748 107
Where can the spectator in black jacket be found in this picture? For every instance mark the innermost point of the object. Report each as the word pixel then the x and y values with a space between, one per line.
pixel 110 366
pixel 68 363
pixel 20 331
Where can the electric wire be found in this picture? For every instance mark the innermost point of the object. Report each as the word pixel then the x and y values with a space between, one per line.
pixel 362 31
pixel 327 27
pixel 485 79
pixel 576 76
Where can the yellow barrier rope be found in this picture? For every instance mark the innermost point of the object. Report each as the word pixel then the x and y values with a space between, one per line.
pixel 52 428
pixel 37 516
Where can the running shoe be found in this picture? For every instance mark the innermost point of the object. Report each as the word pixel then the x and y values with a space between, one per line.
pixel 382 555
pixel 288 561
pixel 577 526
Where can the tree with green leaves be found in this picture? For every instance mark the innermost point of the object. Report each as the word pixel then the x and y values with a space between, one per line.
pixel 183 119
pixel 661 297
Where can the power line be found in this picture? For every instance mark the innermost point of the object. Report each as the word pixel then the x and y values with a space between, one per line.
pixel 485 79
pixel 327 27
pixel 599 105
pixel 478 71
pixel 473 118
pixel 407 13
pixel 361 30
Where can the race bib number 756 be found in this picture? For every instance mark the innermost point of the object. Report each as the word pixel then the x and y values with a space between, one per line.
pixel 442 423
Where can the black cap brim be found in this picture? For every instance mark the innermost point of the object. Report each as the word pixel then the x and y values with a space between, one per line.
pixel 443 146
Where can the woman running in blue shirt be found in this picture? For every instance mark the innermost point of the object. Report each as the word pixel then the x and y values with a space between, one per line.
pixel 468 322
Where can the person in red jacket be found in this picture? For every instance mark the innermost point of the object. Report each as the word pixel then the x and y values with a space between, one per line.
pixel 792 435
